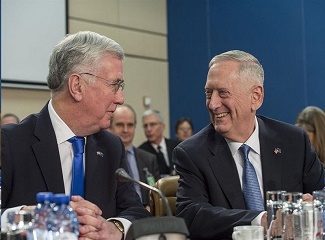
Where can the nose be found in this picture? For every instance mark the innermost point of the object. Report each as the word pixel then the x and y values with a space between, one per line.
pixel 214 102
pixel 119 97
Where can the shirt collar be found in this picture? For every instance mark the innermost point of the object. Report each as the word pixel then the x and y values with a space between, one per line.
pixel 252 141
pixel 130 150
pixel 162 144
pixel 62 131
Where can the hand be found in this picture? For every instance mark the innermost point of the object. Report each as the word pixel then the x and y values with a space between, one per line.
pixel 93 225
pixel 103 230
pixel 264 222
pixel 307 197
pixel 28 208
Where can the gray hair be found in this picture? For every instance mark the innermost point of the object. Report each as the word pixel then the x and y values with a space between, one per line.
pixel 76 51
pixel 153 112
pixel 249 66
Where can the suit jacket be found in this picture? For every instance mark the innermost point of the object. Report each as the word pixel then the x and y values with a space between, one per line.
pixel 31 164
pixel 170 145
pixel 146 160
pixel 209 185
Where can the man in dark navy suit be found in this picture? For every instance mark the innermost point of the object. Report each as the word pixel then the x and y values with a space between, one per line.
pixel 211 163
pixel 86 82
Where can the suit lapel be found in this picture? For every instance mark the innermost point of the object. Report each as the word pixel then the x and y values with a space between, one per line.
pixel 94 160
pixel 47 153
pixel 225 170
pixel 271 157
pixel 140 164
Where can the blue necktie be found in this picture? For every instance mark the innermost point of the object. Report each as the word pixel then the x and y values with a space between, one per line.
pixel 77 184
pixel 134 172
pixel 251 188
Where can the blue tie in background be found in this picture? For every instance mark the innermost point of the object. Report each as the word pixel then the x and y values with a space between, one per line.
pixel 77 184
pixel 251 188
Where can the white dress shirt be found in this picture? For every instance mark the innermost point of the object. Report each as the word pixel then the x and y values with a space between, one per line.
pixel 63 133
pixel 254 157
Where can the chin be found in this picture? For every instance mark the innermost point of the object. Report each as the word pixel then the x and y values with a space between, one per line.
pixel 221 129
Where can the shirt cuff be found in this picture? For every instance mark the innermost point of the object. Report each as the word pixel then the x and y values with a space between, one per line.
pixel 257 221
pixel 126 224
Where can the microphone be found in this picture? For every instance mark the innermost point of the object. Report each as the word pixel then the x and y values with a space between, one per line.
pixel 167 227
pixel 123 176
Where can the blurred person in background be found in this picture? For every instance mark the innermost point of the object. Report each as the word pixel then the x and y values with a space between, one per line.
pixel 123 124
pixel 9 118
pixel 183 129
pixel 312 120
pixel 162 147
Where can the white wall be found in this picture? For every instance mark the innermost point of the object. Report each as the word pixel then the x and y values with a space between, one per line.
pixel 140 26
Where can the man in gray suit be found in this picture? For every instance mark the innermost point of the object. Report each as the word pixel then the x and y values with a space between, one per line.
pixel 123 124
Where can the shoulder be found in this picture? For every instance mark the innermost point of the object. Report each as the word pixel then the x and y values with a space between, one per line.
pixel 145 145
pixel 143 153
pixel 277 126
pixel 107 137
pixel 201 138
pixel 171 143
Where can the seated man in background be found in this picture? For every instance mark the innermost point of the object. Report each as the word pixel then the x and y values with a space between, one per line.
pixel 154 126
pixel 123 124
pixel 86 82
pixel 226 168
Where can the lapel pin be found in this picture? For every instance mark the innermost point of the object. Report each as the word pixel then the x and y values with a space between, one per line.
pixel 277 150
pixel 100 154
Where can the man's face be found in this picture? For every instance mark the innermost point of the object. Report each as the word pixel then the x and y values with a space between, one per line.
pixel 8 119
pixel 123 125
pixel 184 131
pixel 153 128
pixel 232 100
pixel 100 98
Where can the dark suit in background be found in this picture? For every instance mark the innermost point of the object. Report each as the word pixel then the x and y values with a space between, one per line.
pixel 146 160
pixel 170 145
pixel 31 164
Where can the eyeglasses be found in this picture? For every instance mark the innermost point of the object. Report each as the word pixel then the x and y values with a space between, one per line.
pixel 151 125
pixel 119 84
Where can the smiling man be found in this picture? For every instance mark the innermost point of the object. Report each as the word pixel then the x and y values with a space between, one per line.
pixel 226 168
pixel 86 82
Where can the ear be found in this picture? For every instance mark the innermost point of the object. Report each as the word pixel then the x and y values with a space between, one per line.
pixel 76 87
pixel 257 97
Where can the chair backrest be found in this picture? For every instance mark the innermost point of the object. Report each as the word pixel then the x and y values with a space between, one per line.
pixel 168 186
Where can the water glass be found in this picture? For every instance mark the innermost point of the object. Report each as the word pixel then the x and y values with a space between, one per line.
pixel 274 213
pixel 248 232
pixel 292 215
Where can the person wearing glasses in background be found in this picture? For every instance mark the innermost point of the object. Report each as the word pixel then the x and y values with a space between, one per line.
pixel 312 120
pixel 123 124
pixel 183 129
pixel 154 126
pixel 227 167
pixel 86 82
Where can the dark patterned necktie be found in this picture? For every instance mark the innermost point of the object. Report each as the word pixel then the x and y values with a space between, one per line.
pixel 77 183
pixel 251 188
pixel 163 168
